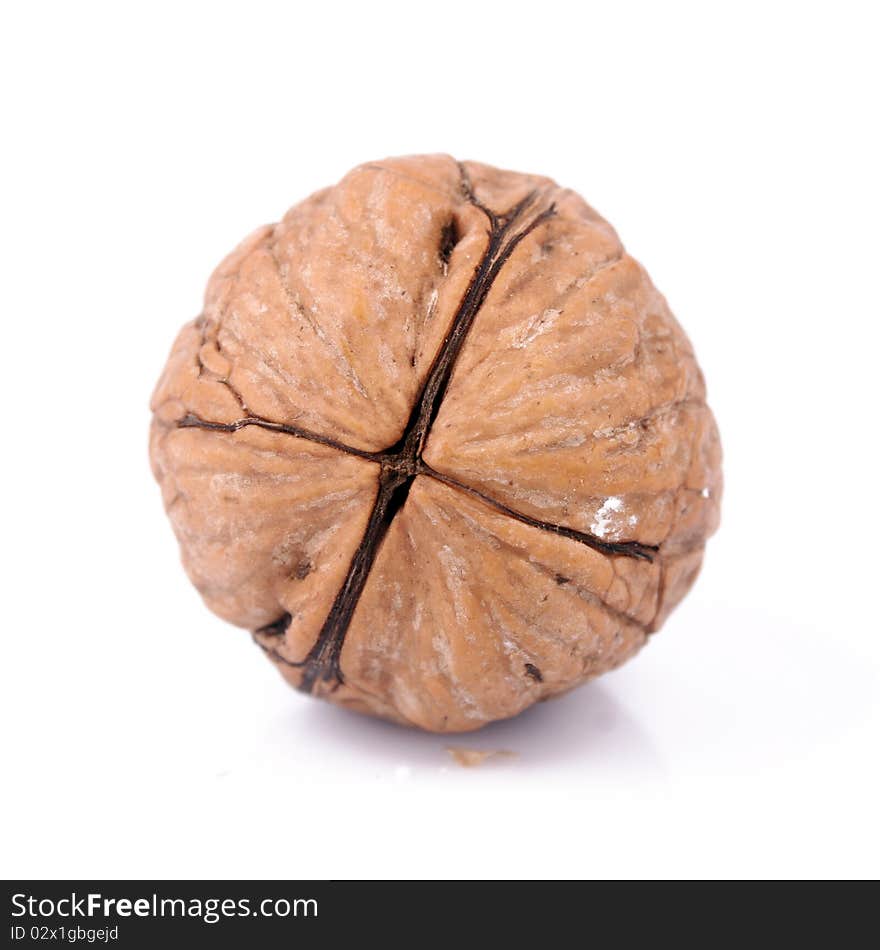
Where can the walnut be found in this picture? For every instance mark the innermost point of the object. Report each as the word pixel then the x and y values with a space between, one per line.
pixel 439 443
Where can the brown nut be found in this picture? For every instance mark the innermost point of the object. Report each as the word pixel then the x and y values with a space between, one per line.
pixel 439 442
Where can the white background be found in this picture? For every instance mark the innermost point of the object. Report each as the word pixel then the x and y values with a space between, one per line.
pixel 735 151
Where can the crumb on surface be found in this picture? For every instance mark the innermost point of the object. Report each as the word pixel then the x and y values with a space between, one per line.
pixel 470 758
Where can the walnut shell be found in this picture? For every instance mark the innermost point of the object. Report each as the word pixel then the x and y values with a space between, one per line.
pixel 439 442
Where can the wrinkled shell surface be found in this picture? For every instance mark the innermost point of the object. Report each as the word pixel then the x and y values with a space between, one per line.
pixel 441 544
